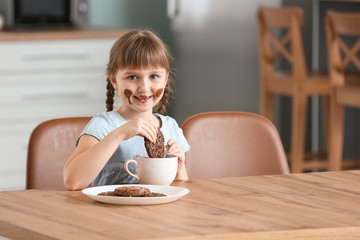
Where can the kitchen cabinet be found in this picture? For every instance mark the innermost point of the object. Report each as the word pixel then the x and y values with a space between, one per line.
pixel 46 75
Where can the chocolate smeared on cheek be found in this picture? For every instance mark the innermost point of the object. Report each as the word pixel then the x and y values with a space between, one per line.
pixel 158 93
pixel 128 94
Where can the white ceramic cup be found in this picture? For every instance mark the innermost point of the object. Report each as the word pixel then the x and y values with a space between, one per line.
pixel 157 171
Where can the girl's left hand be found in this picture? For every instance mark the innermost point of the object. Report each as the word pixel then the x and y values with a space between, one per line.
pixel 176 149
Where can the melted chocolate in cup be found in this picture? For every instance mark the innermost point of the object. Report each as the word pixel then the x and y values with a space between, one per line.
pixel 128 94
pixel 158 93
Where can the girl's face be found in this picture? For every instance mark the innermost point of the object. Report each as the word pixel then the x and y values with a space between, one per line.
pixel 140 90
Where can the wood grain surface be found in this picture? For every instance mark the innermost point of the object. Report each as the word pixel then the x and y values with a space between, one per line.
pixel 295 206
pixel 60 34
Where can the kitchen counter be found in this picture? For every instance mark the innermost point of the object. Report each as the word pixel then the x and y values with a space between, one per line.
pixel 59 34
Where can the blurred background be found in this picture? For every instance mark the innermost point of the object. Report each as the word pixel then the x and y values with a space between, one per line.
pixel 215 46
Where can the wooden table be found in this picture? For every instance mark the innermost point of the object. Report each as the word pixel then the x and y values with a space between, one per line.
pixel 297 206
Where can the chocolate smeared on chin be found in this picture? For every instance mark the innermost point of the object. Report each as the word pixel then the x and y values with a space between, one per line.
pixel 158 92
pixel 128 94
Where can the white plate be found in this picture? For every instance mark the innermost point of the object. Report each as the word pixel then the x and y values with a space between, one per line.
pixel 172 194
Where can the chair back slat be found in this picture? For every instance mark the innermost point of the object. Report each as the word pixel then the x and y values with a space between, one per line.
pixel 345 23
pixel 276 17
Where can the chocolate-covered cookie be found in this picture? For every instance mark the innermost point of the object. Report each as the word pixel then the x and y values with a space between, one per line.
pixel 156 149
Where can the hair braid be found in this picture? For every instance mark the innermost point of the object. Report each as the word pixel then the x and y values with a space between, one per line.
pixel 161 106
pixel 110 92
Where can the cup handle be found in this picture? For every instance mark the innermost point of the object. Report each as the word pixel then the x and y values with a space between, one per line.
pixel 128 171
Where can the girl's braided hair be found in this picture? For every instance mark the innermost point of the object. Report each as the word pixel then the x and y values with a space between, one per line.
pixel 135 50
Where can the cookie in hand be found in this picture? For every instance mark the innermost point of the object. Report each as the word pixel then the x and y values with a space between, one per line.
pixel 156 149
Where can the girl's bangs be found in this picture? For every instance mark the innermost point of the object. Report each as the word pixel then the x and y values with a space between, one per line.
pixel 144 57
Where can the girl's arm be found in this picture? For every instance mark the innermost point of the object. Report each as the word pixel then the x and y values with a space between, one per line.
pixel 91 155
pixel 176 149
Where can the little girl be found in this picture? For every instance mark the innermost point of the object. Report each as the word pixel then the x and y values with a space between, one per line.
pixel 138 71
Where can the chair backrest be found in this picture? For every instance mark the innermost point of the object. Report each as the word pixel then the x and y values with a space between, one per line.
pixel 227 144
pixel 283 19
pixel 338 25
pixel 51 144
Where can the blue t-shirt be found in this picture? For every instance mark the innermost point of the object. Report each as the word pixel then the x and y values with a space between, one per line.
pixel 114 172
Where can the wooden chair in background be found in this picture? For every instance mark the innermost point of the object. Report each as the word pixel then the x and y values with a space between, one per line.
pixel 51 144
pixel 298 83
pixel 345 84
pixel 228 144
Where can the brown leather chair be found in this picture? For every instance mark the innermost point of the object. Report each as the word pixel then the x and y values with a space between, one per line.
pixel 51 144
pixel 345 82
pixel 298 83
pixel 227 144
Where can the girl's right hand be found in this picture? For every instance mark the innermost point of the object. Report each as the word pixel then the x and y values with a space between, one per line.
pixel 139 127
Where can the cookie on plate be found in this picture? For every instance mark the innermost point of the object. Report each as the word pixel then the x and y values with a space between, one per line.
pixel 132 191
pixel 109 193
pixel 154 194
